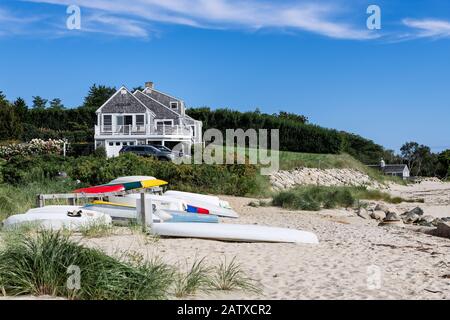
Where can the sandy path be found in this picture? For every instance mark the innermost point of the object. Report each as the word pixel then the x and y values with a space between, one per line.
pixel 355 259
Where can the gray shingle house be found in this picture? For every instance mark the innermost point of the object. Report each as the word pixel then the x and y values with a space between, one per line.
pixel 144 117
pixel 399 170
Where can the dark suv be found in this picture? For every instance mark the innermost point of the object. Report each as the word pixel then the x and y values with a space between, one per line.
pixel 164 148
pixel 149 151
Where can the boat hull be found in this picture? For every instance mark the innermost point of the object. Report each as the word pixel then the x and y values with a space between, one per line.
pixel 56 218
pixel 234 232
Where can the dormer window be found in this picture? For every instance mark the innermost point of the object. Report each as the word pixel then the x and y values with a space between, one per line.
pixel 173 104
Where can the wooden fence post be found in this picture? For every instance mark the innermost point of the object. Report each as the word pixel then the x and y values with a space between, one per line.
pixel 143 210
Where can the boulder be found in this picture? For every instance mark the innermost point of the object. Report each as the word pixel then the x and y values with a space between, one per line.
pixel 382 207
pixel 378 215
pixel 362 212
pixel 442 230
pixel 436 221
pixel 410 217
pixel 426 221
pixel 394 212
pixel 418 211
pixel 392 218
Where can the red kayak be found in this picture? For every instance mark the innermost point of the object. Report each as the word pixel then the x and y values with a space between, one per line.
pixel 101 189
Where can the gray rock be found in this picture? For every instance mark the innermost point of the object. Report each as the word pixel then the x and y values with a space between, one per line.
pixel 417 211
pixel 382 207
pixel 446 219
pixel 442 230
pixel 392 216
pixel 392 219
pixel 410 217
pixel 436 221
pixel 378 215
pixel 426 221
pixel 363 214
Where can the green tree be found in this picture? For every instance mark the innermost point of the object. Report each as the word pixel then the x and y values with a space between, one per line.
pixel 97 96
pixel 140 88
pixel 443 170
pixel 56 104
pixel 420 159
pixel 21 108
pixel 39 103
pixel 3 98
pixel 10 125
pixel 292 116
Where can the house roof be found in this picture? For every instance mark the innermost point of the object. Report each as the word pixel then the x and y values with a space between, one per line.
pixel 123 101
pixel 391 168
pixel 160 110
pixel 162 97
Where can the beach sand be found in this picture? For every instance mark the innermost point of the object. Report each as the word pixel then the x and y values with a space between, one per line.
pixel 356 259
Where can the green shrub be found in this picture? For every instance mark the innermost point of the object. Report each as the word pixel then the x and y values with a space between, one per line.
pixel 100 152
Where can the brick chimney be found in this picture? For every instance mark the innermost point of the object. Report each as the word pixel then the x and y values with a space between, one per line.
pixel 149 85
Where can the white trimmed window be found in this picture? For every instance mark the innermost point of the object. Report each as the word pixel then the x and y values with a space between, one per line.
pixel 107 122
pixel 164 122
pixel 173 104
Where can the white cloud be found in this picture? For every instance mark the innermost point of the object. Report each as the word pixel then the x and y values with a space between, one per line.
pixel 101 23
pixel 429 27
pixel 11 23
pixel 308 16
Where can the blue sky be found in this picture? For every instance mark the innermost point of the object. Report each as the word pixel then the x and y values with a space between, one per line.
pixel 315 58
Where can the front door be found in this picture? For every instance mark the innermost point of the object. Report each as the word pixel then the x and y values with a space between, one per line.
pixel 128 122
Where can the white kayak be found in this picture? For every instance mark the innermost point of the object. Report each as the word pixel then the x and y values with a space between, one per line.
pixel 214 205
pixel 128 179
pixel 118 212
pixel 159 202
pixel 57 218
pixel 199 197
pixel 166 202
pixel 234 232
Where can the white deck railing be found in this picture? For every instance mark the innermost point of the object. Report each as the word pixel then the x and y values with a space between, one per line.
pixel 125 130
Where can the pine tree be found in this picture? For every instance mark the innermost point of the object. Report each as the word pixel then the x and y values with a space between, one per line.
pixel 39 103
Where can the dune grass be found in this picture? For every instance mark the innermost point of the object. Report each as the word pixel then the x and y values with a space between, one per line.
pixel 314 198
pixel 230 276
pixel 96 229
pixel 40 264
pixel 19 199
pixel 197 278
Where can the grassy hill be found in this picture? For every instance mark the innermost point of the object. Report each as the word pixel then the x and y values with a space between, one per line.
pixel 291 160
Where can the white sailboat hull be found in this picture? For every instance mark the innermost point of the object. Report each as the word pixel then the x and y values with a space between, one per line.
pixel 56 218
pixel 234 232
